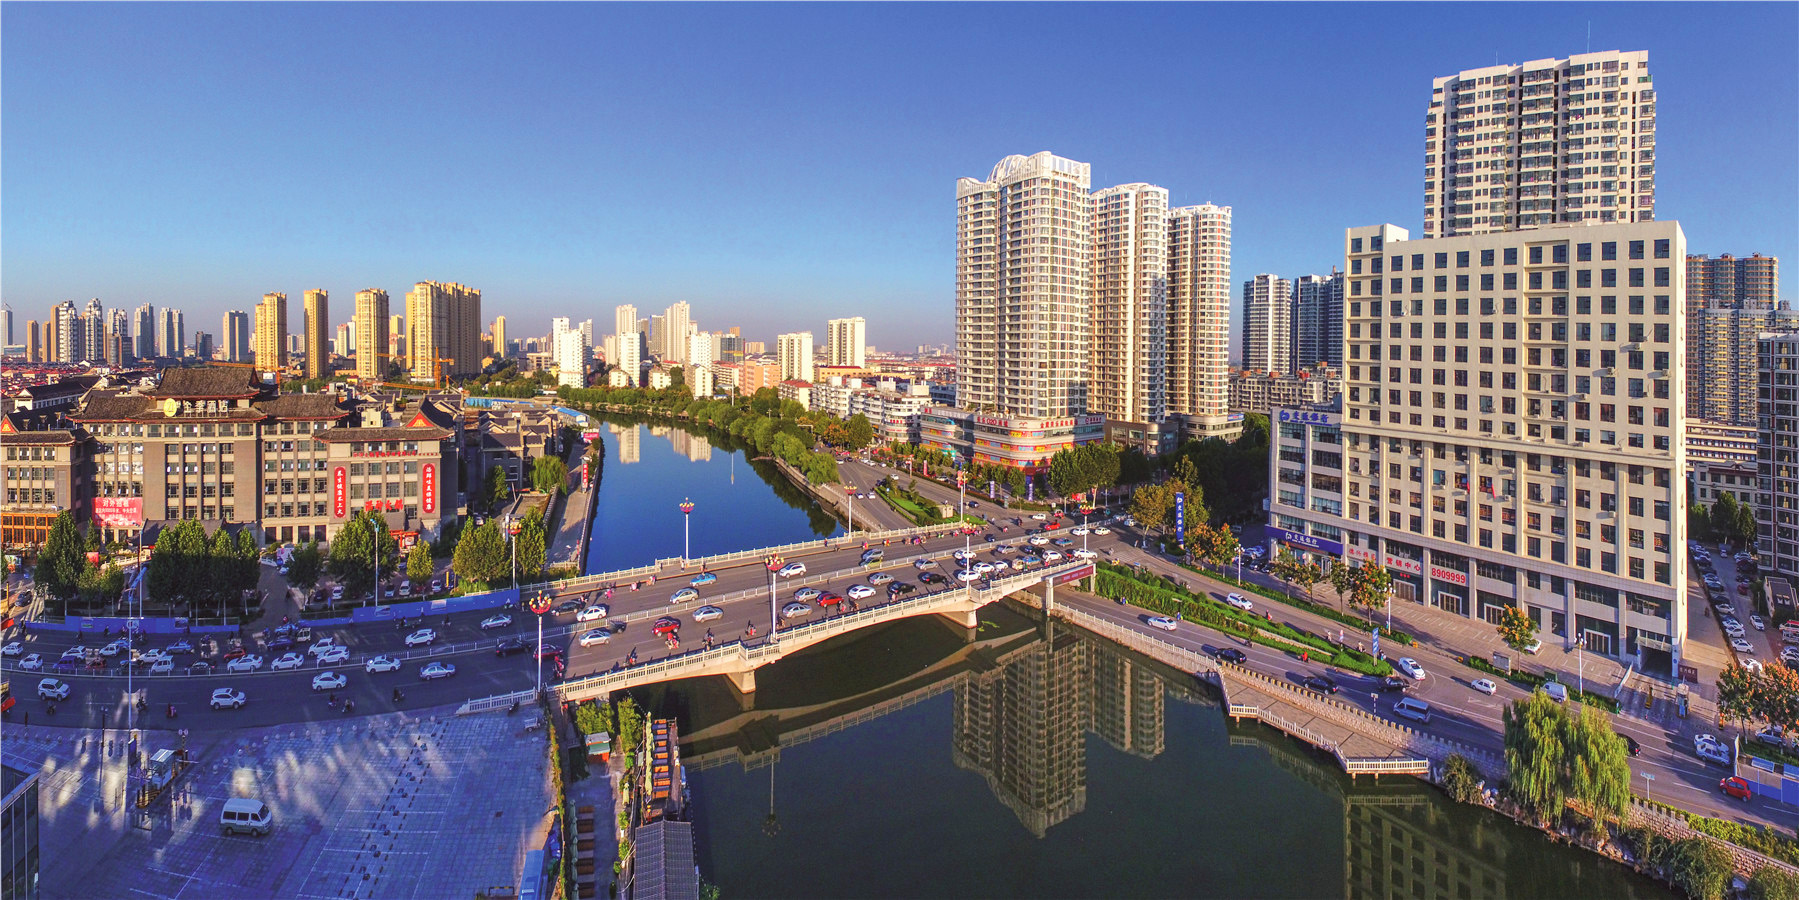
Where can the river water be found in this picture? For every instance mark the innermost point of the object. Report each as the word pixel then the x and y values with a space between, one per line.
pixel 1028 759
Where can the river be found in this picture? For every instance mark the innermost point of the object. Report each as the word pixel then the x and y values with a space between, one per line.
pixel 918 759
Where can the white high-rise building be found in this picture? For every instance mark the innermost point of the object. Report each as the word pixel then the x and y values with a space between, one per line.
pixel 1128 309
pixel 624 319
pixel 71 338
pixel 793 352
pixel 625 353
pixel 171 332
pixel 93 325
pixel 143 331
pixel 1267 324
pixel 571 355
pixel 677 324
pixel 848 342
pixel 1199 314
pixel 1022 287
pixel 236 331
pixel 702 356
pixel 1549 141
pixel 1317 329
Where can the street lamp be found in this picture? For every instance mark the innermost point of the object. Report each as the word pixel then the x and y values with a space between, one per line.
pixel 773 561
pixel 512 529
pixel 1086 509
pixel 540 605
pixel 686 517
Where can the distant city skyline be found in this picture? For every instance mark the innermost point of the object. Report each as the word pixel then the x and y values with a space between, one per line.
pixel 776 189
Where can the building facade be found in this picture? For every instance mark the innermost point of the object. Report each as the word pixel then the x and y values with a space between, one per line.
pixel 793 352
pixel 318 328
pixel 19 826
pixel 1128 313
pixel 1317 329
pixel 1777 454
pixel 1722 347
pixel 1551 141
pixel 371 321
pixel 1019 442
pixel 1263 392
pixel 1199 313
pixel 1268 324
pixel 1752 282
pixel 848 341
pixel 443 323
pixel 271 333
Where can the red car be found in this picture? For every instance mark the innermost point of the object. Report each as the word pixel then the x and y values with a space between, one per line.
pixel 666 625
pixel 1735 787
pixel 234 653
pixel 830 598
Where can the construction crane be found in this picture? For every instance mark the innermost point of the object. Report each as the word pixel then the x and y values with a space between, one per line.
pixel 437 374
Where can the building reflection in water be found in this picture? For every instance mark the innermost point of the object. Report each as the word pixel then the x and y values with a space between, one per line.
pixel 629 443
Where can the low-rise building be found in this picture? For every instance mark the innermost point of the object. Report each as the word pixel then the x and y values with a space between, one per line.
pixel 833 396
pixel 796 390
pixel 1020 442
pixel 1712 479
pixel 1719 442
pixel 46 472
pixel 893 413
pixel 660 377
pixel 1261 392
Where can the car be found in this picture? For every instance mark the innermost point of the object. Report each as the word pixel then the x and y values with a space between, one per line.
pixel 200 667
pixel 511 645
pixel 164 666
pixel 899 588
pixel 1735 787
pixel 499 621
pixel 181 646
pixel 859 592
pixel 1393 683
pixel 703 579
pixel 233 653
pixel 932 578
pixel 1771 736
pixel 967 576
pixel 12 648
pixel 1084 553
pixel 287 661
pixel 1052 526
pixel 596 612
pixel 922 564
pixel 1063 542
pixel 246 663
pixel 973 503
pixel 322 646
pixel 337 592
pixel 329 681
pixel 152 657
pixel 436 670
pixel 1741 646
pixel 794 610
pixel 1533 646
pixel 807 594
pixel 830 598
pixel 421 638
pixel 382 663
pixel 1760 623
pixel 1165 623
pixel 666 625
pixel 1231 655
pixel 51 689
pixel 1030 559
pixel 32 663
pixel 405 588
pixel 437 585
pixel 962 556
pixel 791 569
pixel 1239 601
pixel 708 613
pixel 278 642
pixel 568 606
pixel 1052 556
pixel 226 698
pixel 1038 517
pixel 334 654
pixel 1711 750
pixel 988 538
pixel 984 567
pixel 681 596
pixel 1102 530
pixel 1004 549
pixel 1631 745
pixel 1484 685
pixel 115 648
pixel 1321 683
pixel 1080 529
pixel 1410 666
pixel 879 578
pixel 590 638
pixel 1039 541
pixel 1789 655
pixel 1752 665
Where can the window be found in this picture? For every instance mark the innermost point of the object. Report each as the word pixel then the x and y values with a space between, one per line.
pixel 1583 252
pixel 1661 249
pixel 1511 256
pixel 1636 249
pixel 1441 261
pixel 1608 250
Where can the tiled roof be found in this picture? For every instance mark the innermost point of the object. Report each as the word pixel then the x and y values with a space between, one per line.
pixel 111 404
pixel 340 435
pixel 302 406
pixel 207 381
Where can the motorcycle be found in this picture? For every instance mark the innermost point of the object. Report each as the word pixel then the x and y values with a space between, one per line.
pixel 171 711
pixel 513 708
pixel 399 695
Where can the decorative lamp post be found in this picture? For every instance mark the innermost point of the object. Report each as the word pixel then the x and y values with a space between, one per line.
pixel 1086 509
pixel 962 514
pixel 686 517
pixel 540 604
pixel 513 527
pixel 773 561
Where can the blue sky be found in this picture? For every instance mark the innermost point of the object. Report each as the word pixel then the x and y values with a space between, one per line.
pixel 774 165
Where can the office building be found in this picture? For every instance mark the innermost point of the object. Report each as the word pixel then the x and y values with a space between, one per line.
pixel 271 333
pixel 1552 141
pixel 1508 437
pixel 1199 301
pixel 1128 313
pixel 1022 243
pixel 1749 283
pixel 1720 442
pixel 500 347
pixel 443 324
pixel 143 330
pixel 20 860
pixel 316 305
pixel 171 333
pixel 1317 329
pixel 237 334
pixel 1267 324
pixel 848 342
pixel 794 355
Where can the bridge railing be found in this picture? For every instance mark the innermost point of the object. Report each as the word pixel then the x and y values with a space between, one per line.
pixel 495 702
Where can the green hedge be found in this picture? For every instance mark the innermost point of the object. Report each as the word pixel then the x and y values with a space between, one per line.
pixel 1313 607
pixel 1164 596
pixel 1533 681
pixel 1761 840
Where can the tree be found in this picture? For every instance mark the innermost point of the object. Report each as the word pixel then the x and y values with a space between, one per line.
pixel 481 554
pixel 1342 579
pixel 354 551
pixel 858 433
pixel 1770 883
pixel 1535 755
pixel 60 566
pixel 249 566
pixel 1700 867
pixel 1516 627
pixel 1217 546
pixel 1737 691
pixel 1598 766
pixel 1285 567
pixel 222 569
pixel 499 489
pixel 303 566
pixel 1699 521
pixel 1307 574
pixel 1724 516
pixel 549 474
pixel 1461 781
pixel 418 563
pixel 191 551
pixel 1150 504
pixel 1745 530
pixel 1371 584
pixel 1776 696
pixel 533 546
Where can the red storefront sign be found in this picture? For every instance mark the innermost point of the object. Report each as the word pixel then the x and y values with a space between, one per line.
pixel 119 512
pixel 428 484
pixel 1449 575
pixel 1404 565
pixel 340 492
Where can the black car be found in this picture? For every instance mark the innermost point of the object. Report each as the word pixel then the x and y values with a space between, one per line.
pixel 1392 683
pixel 1321 684
pixel 1231 654
pixel 1631 744
pixel 897 588
pixel 280 642
pixel 932 578
pixel 989 538
pixel 511 645
pixel 569 606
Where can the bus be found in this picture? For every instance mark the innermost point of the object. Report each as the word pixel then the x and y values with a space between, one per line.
pixel 6 698
pixel 1789 632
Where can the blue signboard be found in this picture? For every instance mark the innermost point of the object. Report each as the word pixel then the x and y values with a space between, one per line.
pixel 1180 517
pixel 1377 642
pixel 1306 541
pixel 1306 417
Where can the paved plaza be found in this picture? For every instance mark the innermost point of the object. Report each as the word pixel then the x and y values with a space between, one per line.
pixel 402 805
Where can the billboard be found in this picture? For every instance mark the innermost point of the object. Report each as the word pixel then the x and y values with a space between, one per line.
pixel 119 512
pixel 1180 518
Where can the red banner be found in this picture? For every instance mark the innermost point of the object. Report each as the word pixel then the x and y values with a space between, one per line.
pixel 340 492
pixel 428 484
pixel 119 512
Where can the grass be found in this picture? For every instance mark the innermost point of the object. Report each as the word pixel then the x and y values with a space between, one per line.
pixel 1311 606
pixel 1533 681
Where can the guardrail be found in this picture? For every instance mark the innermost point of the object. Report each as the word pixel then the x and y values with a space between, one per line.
pixel 495 702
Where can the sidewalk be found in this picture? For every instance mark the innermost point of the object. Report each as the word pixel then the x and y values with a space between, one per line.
pixel 565 545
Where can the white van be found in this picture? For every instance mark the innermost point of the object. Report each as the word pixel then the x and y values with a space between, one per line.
pixel 245 816
pixel 1556 690
pixel 1413 708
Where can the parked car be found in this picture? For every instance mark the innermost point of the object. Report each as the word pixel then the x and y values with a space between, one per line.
pixel 1533 646
pixel 1771 736
pixel 1741 645
pixel 1484 685
pixel 1166 623
pixel 329 681
pixel 497 621
pixel 1410 666
pixel 436 670
pixel 226 698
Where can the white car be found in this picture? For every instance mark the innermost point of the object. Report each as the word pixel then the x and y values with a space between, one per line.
pixel 1050 556
pixel 807 594
pixel 1163 622
pixel 596 612
pixel 381 664
pixel 244 664
pixel 1410 666
pixel 115 648
pixel 32 662
pixel 859 592
pixel 795 609
pixel 1038 540
pixel 791 569
pixel 1741 646
pixel 1484 685
pixel 323 646
pixel 51 689
pixel 962 555
pixel 334 654
pixel 967 575
pixel 1079 530
pixel 595 637
pixel 152 657
pixel 436 670
pixel 1760 623
pixel 421 637
pixel 1239 601
pixel 164 666
pixel 12 648
pixel 329 681
pixel 1102 530
pixel 1086 554
pixel 226 698
pixel 1039 516
pixel 337 592
pixel 983 567
pixel 1712 750
pixel 708 613
pixel 1533 646
pixel 287 661
pixel 76 653
pixel 878 578
pixel 500 621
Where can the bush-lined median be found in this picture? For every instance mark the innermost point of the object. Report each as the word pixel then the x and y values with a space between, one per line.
pixel 1311 606
pixel 1532 681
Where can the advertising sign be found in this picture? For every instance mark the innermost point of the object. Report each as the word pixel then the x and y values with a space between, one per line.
pixel 340 492
pixel 1449 575
pixel 1404 565
pixel 1377 642
pixel 1180 517
pixel 1306 541
pixel 1306 417
pixel 119 512
pixel 428 487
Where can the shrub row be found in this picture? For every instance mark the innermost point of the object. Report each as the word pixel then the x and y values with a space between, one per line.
pixel 1311 606
pixel 1533 681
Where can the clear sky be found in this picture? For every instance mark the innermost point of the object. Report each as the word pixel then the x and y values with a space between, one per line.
pixel 774 165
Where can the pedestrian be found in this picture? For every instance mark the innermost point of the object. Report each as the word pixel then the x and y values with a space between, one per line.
pixel 27 722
